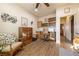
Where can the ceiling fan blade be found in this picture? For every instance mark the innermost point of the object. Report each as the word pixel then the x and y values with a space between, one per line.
pixel 47 4
pixel 37 5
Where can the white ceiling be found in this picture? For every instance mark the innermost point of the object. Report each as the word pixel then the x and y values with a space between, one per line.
pixel 42 9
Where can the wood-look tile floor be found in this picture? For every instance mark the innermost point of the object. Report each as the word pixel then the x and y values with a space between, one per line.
pixel 40 48
pixel 64 43
pixel 65 48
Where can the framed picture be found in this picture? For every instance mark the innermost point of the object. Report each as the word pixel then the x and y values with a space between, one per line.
pixel 24 21
pixel 66 10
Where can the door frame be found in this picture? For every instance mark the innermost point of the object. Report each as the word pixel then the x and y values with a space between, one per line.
pixel 71 29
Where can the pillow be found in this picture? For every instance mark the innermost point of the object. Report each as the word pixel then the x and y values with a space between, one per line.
pixel 8 37
pixel 11 38
pixel 2 44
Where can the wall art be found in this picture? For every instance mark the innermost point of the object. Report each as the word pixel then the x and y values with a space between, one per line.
pixel 66 10
pixel 6 17
pixel 24 21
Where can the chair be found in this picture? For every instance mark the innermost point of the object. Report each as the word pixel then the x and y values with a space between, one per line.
pixel 9 44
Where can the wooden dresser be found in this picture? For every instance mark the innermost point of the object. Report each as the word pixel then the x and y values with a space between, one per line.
pixel 25 33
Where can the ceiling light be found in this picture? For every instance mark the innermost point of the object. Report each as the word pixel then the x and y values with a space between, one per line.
pixel 36 9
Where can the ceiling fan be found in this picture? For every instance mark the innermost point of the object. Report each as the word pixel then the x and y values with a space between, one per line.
pixel 37 5
pixel 46 4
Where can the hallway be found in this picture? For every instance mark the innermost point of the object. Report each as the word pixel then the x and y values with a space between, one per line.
pixel 65 42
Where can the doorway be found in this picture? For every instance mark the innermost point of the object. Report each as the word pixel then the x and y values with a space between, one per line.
pixel 72 28
pixel 66 30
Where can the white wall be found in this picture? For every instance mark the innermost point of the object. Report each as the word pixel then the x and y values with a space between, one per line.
pixel 15 10
pixel 60 13
pixel 68 28
pixel 76 22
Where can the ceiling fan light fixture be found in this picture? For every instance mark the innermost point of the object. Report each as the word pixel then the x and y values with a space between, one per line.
pixel 36 9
